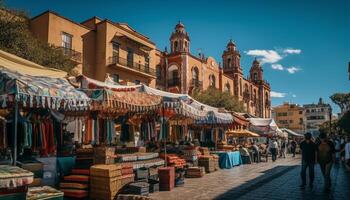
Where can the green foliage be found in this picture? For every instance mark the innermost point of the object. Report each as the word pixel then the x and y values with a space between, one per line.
pixel 344 122
pixel 342 100
pixel 16 38
pixel 216 98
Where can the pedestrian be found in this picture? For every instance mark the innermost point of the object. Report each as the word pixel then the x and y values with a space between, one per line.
pixel 337 146
pixel 347 154
pixel 256 153
pixel 308 160
pixel 326 158
pixel 273 149
pixel 293 147
pixel 283 148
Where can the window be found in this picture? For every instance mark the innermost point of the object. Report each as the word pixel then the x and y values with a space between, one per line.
pixel 212 80
pixel 115 52
pixel 130 57
pixel 158 72
pixel 227 87
pixel 116 78
pixel 195 74
pixel 291 121
pixel 147 63
pixel 300 112
pixel 229 63
pixel 240 87
pixel 255 76
pixel 67 40
pixel 176 46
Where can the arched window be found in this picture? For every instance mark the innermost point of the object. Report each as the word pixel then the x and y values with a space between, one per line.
pixel 240 87
pixel 255 76
pixel 229 63
pixel 267 99
pixel 195 73
pixel 227 88
pixel 212 80
pixel 176 45
pixel 159 72
pixel 173 75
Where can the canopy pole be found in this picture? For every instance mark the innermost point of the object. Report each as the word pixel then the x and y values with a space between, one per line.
pixel 15 133
pixel 163 126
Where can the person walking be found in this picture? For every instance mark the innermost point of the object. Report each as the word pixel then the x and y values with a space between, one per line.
pixel 273 149
pixel 326 158
pixel 337 146
pixel 293 147
pixel 347 154
pixel 283 148
pixel 308 160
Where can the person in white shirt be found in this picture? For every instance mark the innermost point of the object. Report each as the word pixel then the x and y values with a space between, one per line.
pixel 347 154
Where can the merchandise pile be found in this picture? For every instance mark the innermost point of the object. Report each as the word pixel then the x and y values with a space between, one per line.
pixel 105 181
pixel 174 160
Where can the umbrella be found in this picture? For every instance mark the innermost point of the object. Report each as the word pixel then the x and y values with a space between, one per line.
pixel 242 133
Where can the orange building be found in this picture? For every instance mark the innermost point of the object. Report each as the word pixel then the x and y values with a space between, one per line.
pixel 100 47
pixel 290 116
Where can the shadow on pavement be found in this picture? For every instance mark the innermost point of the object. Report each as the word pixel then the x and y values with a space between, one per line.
pixel 268 175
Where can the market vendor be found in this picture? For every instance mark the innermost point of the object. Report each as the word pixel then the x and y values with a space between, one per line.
pixel 245 155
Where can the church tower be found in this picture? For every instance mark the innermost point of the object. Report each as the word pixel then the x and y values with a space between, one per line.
pixel 179 40
pixel 231 60
pixel 256 72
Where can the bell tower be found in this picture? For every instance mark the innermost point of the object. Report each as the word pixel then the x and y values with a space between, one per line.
pixel 179 40
pixel 256 71
pixel 231 60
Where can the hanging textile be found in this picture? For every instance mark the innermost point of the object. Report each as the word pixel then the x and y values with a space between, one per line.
pixel 3 135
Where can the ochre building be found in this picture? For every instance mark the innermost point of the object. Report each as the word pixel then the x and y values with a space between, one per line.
pixel 101 47
pixel 290 116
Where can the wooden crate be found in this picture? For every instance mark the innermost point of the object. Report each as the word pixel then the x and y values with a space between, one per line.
pixel 113 170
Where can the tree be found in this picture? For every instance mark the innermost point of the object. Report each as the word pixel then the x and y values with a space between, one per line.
pixel 16 38
pixel 216 98
pixel 344 122
pixel 342 100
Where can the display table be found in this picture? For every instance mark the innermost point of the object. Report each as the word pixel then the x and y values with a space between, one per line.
pixel 44 193
pixel 12 177
pixel 227 160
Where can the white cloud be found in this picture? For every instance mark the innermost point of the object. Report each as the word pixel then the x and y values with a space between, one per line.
pixel 292 51
pixel 267 56
pixel 278 94
pixel 292 70
pixel 294 96
pixel 277 67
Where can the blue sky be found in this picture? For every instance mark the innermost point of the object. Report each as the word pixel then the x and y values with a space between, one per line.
pixel 305 45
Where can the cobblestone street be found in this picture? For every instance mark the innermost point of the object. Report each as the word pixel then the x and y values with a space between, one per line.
pixel 279 180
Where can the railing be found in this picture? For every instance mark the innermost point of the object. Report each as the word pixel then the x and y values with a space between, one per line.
pixel 173 82
pixel 130 64
pixel 196 83
pixel 72 54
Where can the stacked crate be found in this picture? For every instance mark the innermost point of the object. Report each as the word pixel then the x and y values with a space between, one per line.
pixel 139 188
pixel 195 172
pixel 105 181
pixel 127 174
pixel 104 155
pixel 166 178
pixel 207 162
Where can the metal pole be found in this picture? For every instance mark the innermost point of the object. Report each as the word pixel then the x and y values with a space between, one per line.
pixel 15 134
pixel 163 126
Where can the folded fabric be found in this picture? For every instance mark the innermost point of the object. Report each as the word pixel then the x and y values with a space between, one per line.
pixel 75 193
pixel 77 178
pixel 67 185
pixel 81 171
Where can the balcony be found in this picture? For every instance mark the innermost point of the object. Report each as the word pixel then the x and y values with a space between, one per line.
pixel 196 83
pixel 173 82
pixel 72 54
pixel 115 60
